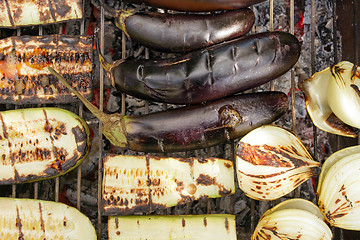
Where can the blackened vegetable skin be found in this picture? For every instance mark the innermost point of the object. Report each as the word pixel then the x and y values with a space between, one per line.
pixel 183 32
pixel 201 126
pixel 198 5
pixel 213 73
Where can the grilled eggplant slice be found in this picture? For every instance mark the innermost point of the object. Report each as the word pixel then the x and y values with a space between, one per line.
pixel 182 32
pixel 38 143
pixel 206 226
pixel 191 127
pixel 208 74
pixel 17 13
pixel 136 184
pixel 38 219
pixel 22 59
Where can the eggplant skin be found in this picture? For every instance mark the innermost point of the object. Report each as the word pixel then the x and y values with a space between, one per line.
pixel 17 13
pixel 23 79
pixel 201 126
pixel 212 73
pixel 40 143
pixel 184 32
pixel 198 5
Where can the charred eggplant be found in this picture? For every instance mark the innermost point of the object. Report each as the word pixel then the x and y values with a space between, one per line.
pixel 191 127
pixel 182 32
pixel 17 13
pixel 22 59
pixel 39 143
pixel 212 73
pixel 132 184
pixel 198 5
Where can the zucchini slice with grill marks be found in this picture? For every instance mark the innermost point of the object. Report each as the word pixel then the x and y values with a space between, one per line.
pixel 38 219
pixel 23 79
pixel 38 143
pixel 15 13
pixel 157 227
pixel 135 184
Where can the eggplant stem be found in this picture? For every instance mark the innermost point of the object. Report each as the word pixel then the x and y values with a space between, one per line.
pixel 99 114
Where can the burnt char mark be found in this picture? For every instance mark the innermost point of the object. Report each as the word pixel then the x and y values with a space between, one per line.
pixel 183 222
pixel 149 182
pixel 19 224
pixel 205 180
pixel 205 221
pixel 356 89
pixel 190 161
pixel 42 224
pixel 52 12
pixel 9 13
pixel 17 176
pixel 336 123
pixel 80 139
pixel 6 136
pixel 226 224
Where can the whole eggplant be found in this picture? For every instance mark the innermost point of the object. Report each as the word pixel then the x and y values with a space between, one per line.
pixel 198 5
pixel 208 74
pixel 181 32
pixel 190 127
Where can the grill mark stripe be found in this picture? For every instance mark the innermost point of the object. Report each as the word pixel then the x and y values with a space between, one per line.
pixel 51 138
pixel 9 13
pixel 52 12
pixel 149 181
pixel 7 138
pixel 42 224
pixel 19 225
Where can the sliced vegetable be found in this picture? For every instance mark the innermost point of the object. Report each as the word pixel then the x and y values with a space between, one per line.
pixel 17 13
pixel 271 162
pixel 292 219
pixel 333 100
pixel 208 74
pixel 39 143
pixel 22 59
pixel 137 184
pixel 38 219
pixel 198 5
pixel 156 227
pixel 191 127
pixel 339 189
pixel 181 32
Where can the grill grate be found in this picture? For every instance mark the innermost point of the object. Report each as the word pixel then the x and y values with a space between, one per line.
pixel 212 205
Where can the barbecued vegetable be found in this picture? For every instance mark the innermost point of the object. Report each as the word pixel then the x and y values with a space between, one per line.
pixel 206 226
pixel 192 127
pixel 198 5
pixel 212 73
pixel 38 143
pixel 22 59
pixel 137 184
pixel 37 219
pixel 182 32
pixel 15 13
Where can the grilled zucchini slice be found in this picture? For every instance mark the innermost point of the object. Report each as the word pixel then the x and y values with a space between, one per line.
pixel 156 227
pixel 23 79
pixel 37 219
pixel 38 143
pixel 135 184
pixel 17 13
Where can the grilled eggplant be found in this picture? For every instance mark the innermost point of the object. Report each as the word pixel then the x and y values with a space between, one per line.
pixel 198 5
pixel 182 32
pixel 17 13
pixel 206 226
pixel 38 143
pixel 22 59
pixel 38 219
pixel 136 184
pixel 191 127
pixel 208 74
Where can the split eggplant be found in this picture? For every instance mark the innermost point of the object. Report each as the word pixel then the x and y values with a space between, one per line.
pixel 137 184
pixel 198 5
pixel 39 143
pixel 17 13
pixel 205 75
pixel 205 226
pixel 181 32
pixel 38 219
pixel 22 59
pixel 190 127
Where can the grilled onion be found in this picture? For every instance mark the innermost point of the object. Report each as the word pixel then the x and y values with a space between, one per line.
pixel 339 189
pixel 333 99
pixel 272 162
pixel 292 219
